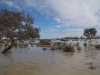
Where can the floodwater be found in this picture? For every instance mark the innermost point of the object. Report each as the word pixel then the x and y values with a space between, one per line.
pixel 35 61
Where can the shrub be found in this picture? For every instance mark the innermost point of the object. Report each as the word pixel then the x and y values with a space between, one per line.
pixel 63 40
pixel 0 45
pixel 44 42
pixel 32 44
pixel 97 46
pixel 68 48
pixel 44 48
pixel 85 44
pixel 23 45
pixel 2 41
pixel 15 44
pixel 77 43
pixel 6 44
pixel 57 45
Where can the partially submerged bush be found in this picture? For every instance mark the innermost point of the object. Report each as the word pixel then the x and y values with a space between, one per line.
pixel 15 44
pixel 77 43
pixel 57 45
pixel 44 42
pixel 63 40
pixel 32 44
pixel 97 46
pixel 2 41
pixel 6 44
pixel 68 48
pixel 0 45
pixel 85 44
pixel 44 48
pixel 23 45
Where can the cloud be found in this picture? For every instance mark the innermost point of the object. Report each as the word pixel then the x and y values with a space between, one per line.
pixel 81 13
pixel 10 3
pixel 58 20
pixel 7 2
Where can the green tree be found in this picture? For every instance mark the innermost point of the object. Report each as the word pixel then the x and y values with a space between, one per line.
pixel 90 33
pixel 17 24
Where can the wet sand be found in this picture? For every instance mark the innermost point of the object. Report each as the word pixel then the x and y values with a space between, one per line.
pixel 35 61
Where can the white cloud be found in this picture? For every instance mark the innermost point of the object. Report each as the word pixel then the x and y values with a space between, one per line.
pixel 10 3
pixel 81 13
pixel 58 20
pixel 77 13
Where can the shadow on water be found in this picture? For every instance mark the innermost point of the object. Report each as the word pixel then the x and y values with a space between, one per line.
pixel 68 54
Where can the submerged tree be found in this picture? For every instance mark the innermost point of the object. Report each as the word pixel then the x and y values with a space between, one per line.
pixel 17 24
pixel 90 33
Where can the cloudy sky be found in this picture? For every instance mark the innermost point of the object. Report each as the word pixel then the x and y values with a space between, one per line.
pixel 59 18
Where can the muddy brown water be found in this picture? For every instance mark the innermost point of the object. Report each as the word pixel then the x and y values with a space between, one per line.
pixel 35 61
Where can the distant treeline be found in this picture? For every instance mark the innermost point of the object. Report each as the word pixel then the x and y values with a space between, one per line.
pixel 96 37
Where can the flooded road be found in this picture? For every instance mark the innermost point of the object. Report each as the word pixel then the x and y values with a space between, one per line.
pixel 35 61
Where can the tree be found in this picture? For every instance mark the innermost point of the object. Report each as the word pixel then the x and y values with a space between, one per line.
pixel 17 24
pixel 90 33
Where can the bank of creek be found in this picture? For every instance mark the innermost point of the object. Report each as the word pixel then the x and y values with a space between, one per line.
pixel 34 60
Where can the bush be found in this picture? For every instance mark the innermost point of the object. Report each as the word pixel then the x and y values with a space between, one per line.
pixel 97 46
pixel 6 44
pixel 68 48
pixel 23 45
pixel 0 45
pixel 44 42
pixel 63 40
pixel 32 44
pixel 77 43
pixel 15 44
pixel 44 48
pixel 85 44
pixel 2 41
pixel 57 45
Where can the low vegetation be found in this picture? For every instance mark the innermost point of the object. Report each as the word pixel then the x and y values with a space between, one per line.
pixel 32 44
pixel 85 44
pixel 97 46
pixel 2 41
pixel 44 48
pixel 20 45
pixel 44 42
pixel 57 46
pixel 68 48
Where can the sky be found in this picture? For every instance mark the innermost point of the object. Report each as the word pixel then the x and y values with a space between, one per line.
pixel 59 18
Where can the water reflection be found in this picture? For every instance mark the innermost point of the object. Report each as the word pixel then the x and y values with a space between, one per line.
pixel 79 51
pixel 90 54
pixel 10 66
pixel 35 61
pixel 68 54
